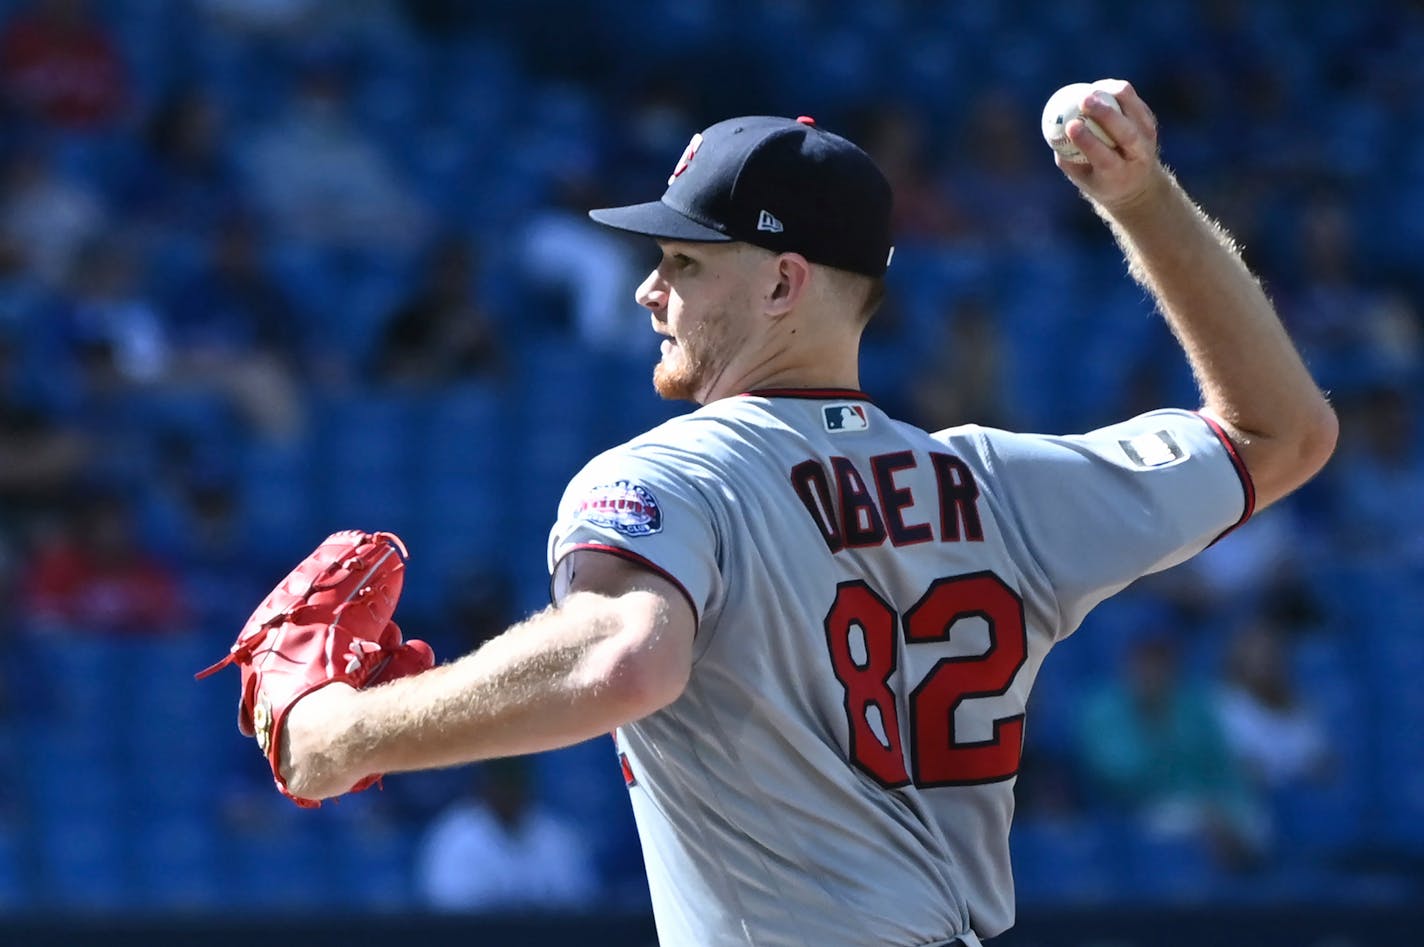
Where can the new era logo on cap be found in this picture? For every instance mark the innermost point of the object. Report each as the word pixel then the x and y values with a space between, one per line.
pixel 767 222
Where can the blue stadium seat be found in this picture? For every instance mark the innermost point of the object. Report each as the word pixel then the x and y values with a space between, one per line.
pixel 78 670
pixel 276 491
pixel 82 865
pixel 465 519
pixel 174 859
pixel 1162 869
pixel 585 784
pixel 375 431
pixel 287 867
pixel 16 883
pixel 373 867
pixel 1060 862
pixel 373 499
pixel 369 446
pixel 73 770
pixel 281 511
pixel 468 429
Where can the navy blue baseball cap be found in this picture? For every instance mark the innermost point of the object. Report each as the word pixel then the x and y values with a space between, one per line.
pixel 779 183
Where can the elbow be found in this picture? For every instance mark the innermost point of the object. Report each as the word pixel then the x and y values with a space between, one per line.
pixel 1324 435
pixel 637 651
pixel 643 682
pixel 1315 442
pixel 1288 463
pixel 1285 460
pixel 649 661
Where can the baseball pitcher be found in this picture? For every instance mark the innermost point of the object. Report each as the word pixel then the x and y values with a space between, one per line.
pixel 814 628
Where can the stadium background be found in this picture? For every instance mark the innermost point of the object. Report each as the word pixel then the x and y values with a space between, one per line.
pixel 270 269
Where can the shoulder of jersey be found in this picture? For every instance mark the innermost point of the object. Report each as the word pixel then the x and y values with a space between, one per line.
pixel 709 422
pixel 964 430
pixel 680 438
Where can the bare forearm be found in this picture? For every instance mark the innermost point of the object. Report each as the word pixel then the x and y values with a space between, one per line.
pixel 533 688
pixel 1250 375
pixel 617 648
pixel 1244 362
pixel 554 680
pixel 1249 372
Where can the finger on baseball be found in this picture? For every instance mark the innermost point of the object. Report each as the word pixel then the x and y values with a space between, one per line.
pixel 1132 105
pixel 1076 171
pixel 1098 153
pixel 1125 133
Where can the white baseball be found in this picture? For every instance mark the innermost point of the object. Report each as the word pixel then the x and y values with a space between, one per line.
pixel 1062 108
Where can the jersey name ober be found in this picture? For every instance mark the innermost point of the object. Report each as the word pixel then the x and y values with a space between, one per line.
pixel 861 517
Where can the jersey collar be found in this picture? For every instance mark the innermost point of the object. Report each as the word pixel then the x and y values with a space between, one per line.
pixel 838 394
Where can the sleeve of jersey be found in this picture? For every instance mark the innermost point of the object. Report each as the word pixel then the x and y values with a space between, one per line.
pixel 643 509
pixel 1102 509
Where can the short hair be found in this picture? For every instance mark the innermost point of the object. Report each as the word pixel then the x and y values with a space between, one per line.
pixel 868 290
pixel 874 299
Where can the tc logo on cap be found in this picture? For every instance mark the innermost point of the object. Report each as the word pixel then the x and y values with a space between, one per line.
pixel 687 155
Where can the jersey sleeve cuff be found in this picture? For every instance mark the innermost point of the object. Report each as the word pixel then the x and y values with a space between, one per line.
pixel 1248 487
pixel 634 558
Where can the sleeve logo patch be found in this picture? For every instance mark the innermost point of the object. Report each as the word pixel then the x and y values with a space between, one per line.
pixel 845 417
pixel 624 506
pixel 1150 451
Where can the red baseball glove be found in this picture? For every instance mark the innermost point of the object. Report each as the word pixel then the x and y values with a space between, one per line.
pixel 328 621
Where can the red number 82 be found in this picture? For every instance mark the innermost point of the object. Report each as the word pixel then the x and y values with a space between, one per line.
pixel 938 759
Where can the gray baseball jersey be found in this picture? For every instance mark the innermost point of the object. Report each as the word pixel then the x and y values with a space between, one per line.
pixel 873 602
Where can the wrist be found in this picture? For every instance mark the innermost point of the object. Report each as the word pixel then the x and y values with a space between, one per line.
pixel 315 742
pixel 1159 190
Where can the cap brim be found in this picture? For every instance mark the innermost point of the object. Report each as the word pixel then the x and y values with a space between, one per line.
pixel 656 219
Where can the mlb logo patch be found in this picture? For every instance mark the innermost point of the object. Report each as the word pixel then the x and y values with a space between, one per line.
pixel 845 417
pixel 623 506
pixel 1148 451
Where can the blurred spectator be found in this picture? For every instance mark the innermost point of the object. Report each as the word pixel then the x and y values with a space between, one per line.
pixel 1239 572
pixel 45 219
pixel 322 181
pixel 193 517
pixel 586 272
pixel 442 334
pixel 232 306
pixel 41 458
pixel 267 18
pixel 1348 328
pixel 961 381
pixel 59 65
pixel 439 20
pixel 1010 204
pixel 234 331
pixel 272 24
pixel 226 343
pixel 188 182
pixel 896 138
pixel 110 312
pixel 1269 727
pixel 94 575
pixel 1378 478
pixel 499 851
pixel 1151 742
